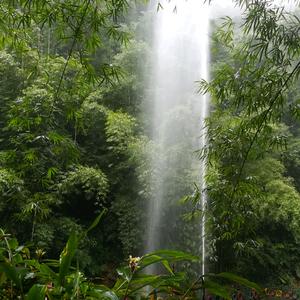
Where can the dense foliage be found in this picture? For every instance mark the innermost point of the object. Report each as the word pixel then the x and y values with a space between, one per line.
pixel 75 141
pixel 254 195
pixel 25 277
pixel 69 147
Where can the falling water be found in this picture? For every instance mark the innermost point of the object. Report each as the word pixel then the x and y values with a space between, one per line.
pixel 180 58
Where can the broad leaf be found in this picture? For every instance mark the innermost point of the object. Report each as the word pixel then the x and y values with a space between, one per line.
pixel 217 289
pixel 165 257
pixel 37 292
pixel 103 294
pixel 67 256
pixel 242 281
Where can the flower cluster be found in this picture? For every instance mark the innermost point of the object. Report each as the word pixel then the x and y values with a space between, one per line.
pixel 133 262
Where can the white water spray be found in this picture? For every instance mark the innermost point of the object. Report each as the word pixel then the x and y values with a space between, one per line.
pixel 180 58
pixel 204 74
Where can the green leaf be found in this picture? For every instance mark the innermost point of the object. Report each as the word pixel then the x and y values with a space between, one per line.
pixel 37 292
pixel 217 289
pixel 155 281
pixel 143 280
pixel 2 278
pixel 44 270
pixel 109 295
pixel 67 256
pixel 97 220
pixel 13 243
pixel 242 281
pixel 11 273
pixel 149 260
pixel 52 262
pixel 77 280
pixel 165 256
pixel 174 255
pixel 125 273
pixel 52 172
pixel 167 266
pixel 103 294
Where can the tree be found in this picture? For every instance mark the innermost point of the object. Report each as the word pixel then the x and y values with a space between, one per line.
pixel 64 146
pixel 251 96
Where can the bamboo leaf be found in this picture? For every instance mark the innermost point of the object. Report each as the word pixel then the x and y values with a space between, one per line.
pixel 97 220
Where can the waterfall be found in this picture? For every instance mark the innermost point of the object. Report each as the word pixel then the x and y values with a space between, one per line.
pixel 180 49
pixel 180 58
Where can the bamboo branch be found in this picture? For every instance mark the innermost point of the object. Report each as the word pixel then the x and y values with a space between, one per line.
pixel 260 126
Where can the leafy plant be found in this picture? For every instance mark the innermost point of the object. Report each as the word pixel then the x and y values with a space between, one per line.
pixel 29 278
pixel 253 88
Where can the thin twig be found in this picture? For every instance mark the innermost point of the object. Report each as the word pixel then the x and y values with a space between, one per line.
pixel 128 285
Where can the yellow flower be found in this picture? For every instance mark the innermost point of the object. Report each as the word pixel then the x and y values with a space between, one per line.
pixel 40 253
pixel 133 262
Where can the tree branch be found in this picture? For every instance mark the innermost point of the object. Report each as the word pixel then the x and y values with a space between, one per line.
pixel 76 33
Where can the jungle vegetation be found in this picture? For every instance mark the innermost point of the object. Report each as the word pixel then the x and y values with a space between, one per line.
pixel 74 142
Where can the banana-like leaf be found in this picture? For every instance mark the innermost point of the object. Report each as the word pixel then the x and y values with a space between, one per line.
pixel 37 292
pixel 70 248
pixel 109 295
pixel 217 289
pixel 103 294
pixel 119 284
pixel 148 260
pixel 165 257
pixel 46 272
pixel 155 281
pixel 240 280
pixel 174 255
pixel 52 262
pixel 143 280
pixel 167 266
pixel 67 256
